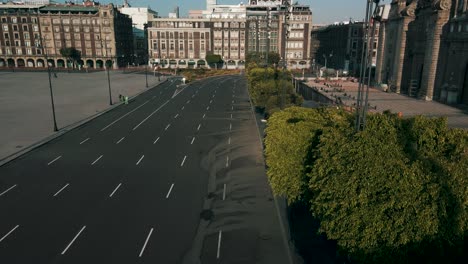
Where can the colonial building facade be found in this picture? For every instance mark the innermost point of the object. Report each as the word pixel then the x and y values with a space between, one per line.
pixel 425 50
pixel 340 46
pixel 175 42
pixel 20 36
pixel 29 35
pixel 236 30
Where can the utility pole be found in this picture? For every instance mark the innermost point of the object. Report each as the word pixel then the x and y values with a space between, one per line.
pixel 268 19
pixel 287 14
pixel 366 65
pixel 44 50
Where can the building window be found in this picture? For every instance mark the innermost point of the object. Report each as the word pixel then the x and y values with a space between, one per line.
pixel 25 27
pixel 19 51
pixel 14 20
pixel 17 36
pixel 15 27
pixel 4 20
pixel 29 51
pixel 27 43
pixel 5 27
pixel 35 28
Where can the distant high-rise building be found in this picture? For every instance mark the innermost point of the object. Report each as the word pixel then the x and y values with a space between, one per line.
pixel 140 17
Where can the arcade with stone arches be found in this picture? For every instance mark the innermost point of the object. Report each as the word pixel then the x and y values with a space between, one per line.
pixel 35 62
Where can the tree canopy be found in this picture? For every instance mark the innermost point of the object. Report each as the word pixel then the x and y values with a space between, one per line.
pixel 394 191
pixel 71 54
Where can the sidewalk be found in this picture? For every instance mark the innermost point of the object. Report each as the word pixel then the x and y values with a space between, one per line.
pixel 25 106
pixel 380 101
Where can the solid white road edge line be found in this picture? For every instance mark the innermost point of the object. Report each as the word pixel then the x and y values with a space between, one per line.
pixel 73 240
pixel 7 234
pixel 146 242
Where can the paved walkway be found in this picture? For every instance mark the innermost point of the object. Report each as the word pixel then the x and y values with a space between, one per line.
pixel 380 101
pixel 25 108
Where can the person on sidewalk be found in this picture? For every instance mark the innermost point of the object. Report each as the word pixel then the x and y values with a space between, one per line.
pixel 126 100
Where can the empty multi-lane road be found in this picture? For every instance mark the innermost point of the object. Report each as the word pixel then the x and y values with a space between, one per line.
pixel 127 187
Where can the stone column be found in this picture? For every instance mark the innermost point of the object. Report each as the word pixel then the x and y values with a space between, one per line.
pixel 432 51
pixel 380 53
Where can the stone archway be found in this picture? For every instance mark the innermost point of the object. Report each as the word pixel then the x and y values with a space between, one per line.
pixel 11 63
pixel 30 63
pixel 90 63
pixel 51 62
pixel 2 62
pixel 20 63
pixel 99 64
pixel 109 64
pixel 60 63
pixel 40 63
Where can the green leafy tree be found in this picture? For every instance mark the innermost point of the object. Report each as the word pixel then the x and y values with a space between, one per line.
pixel 71 54
pixel 290 135
pixel 214 59
pixel 260 58
pixel 393 193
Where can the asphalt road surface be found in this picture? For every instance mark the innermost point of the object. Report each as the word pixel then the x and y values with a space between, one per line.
pixel 126 187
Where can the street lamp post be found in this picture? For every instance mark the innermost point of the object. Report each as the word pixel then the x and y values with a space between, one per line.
pixel 108 75
pixel 146 71
pixel 44 50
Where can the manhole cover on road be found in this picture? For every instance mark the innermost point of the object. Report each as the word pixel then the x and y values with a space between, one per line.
pixel 206 215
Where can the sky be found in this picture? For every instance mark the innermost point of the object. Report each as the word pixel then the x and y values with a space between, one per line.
pixel 323 11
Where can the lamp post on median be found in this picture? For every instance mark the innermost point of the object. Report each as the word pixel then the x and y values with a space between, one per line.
pixel 44 50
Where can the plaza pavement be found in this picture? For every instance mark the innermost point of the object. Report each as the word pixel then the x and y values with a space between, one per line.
pixel 380 101
pixel 25 106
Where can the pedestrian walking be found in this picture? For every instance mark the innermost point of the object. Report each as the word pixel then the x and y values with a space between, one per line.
pixel 126 100
pixel 120 97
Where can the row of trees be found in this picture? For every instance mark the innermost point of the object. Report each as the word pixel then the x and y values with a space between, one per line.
pixel 271 89
pixel 396 192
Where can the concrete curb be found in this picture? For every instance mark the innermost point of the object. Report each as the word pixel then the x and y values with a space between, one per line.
pixel 285 235
pixel 69 128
